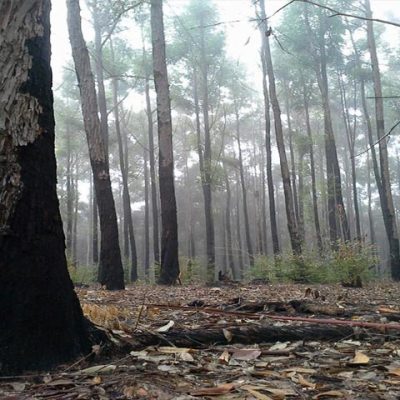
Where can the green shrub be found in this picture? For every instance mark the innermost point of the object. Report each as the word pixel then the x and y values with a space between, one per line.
pixel 82 274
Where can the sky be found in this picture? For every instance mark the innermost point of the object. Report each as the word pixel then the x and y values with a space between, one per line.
pixel 242 37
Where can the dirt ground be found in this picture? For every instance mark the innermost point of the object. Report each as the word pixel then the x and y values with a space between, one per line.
pixel 255 341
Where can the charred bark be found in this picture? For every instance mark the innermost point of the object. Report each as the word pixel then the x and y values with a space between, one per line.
pixel 169 239
pixel 41 320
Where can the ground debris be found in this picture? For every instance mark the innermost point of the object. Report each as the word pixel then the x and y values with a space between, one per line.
pixel 218 347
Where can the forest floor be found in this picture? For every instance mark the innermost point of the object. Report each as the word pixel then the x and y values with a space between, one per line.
pixel 233 342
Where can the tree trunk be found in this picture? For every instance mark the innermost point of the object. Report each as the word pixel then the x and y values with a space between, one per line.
pixel 231 262
pixel 126 198
pixel 386 198
pixel 111 273
pixel 153 181
pixel 100 74
pixel 291 151
pixel 290 215
pixel 95 229
pixel 207 166
pixel 312 168
pixel 169 239
pixel 351 138
pixel 238 233
pixel 244 192
pixel 41 320
pixel 146 260
pixel 70 199
pixel 270 178
pixel 75 216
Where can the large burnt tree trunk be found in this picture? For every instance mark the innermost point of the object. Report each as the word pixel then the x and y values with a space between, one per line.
pixel 41 320
pixel 169 237
pixel 111 273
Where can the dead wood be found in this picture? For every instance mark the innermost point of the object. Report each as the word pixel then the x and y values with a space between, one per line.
pixel 245 335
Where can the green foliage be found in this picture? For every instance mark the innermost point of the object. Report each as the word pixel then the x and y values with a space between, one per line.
pixel 350 263
pixel 81 274
pixel 191 271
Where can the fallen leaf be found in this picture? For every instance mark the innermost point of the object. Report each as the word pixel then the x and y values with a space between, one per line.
pixel 214 391
pixel 96 380
pixel 228 335
pixel 305 382
pixel 359 359
pixel 253 390
pixel 330 393
pixel 281 393
pixel 279 346
pixel 18 386
pixel 61 382
pixel 173 350
pixel 301 370
pixel 98 369
pixel 186 357
pixel 166 327
pixel 246 354
pixel 224 357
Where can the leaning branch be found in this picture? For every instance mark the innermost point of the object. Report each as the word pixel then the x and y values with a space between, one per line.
pixel 379 140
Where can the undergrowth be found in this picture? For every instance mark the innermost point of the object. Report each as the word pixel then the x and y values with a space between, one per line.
pixel 350 264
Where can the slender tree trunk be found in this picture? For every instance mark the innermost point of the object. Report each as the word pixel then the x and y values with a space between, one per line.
pixel 126 198
pixel 69 196
pixel 370 215
pixel 238 232
pixel 146 216
pixel 169 240
pixel 153 181
pixel 41 320
pixel 95 229
pixel 263 203
pixel 290 214
pixel 312 169
pixel 300 222
pixel 231 262
pixel 336 208
pixel 291 151
pixel 207 166
pixel 270 179
pixel 351 137
pixel 111 273
pixel 244 192
pixel 389 217
pixel 101 96
pixel 75 215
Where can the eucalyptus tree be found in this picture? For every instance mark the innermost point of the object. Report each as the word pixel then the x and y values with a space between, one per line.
pixel 110 267
pixel 198 49
pixel 287 188
pixel 385 193
pixel 325 36
pixel 42 322
pixel 268 149
pixel 169 238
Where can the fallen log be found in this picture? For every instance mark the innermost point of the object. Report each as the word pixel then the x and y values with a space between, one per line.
pixel 198 338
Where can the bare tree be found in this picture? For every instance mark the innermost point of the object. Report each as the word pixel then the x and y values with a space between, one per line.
pixel 111 273
pixel 169 239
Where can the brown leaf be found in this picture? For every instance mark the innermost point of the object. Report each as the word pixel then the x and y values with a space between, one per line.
pixel 228 335
pixel 246 354
pixel 214 391
pixel 253 390
pixel 359 359
pixel 330 393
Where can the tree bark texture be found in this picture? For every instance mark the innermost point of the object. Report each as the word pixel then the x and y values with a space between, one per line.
pixel 126 198
pixel 41 323
pixel 268 150
pixel 111 273
pixel 287 189
pixel 169 238
pixel 389 217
